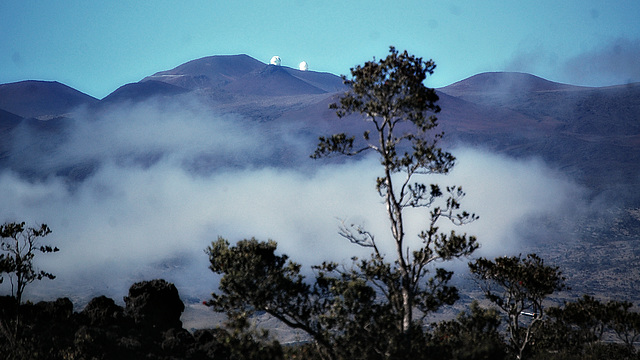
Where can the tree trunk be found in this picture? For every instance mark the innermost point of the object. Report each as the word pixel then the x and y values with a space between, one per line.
pixel 394 211
pixel 407 308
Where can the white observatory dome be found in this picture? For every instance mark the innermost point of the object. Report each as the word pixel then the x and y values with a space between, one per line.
pixel 275 60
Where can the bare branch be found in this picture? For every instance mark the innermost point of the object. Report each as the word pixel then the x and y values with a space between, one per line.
pixel 356 234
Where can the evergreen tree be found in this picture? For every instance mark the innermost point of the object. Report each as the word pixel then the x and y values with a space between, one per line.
pixel 518 286
pixel 366 310
pixel 399 110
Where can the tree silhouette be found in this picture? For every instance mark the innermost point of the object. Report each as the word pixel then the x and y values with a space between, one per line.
pixel 399 111
pixel 366 310
pixel 19 245
pixel 518 286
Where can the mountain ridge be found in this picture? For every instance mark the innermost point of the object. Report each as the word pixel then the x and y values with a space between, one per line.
pixel 36 98
pixel 218 71
pixel 517 114
pixel 506 82
pixel 252 115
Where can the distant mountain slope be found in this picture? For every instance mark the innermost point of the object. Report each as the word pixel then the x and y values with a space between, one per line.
pixel 211 71
pixel 593 134
pixel 271 80
pixel 325 81
pixel 505 83
pixel 41 98
pixel 7 119
pixel 610 114
pixel 243 75
pixel 8 122
pixel 140 91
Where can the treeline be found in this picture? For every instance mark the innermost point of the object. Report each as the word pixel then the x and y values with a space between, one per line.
pixel 348 317
pixel 148 327
pixel 344 315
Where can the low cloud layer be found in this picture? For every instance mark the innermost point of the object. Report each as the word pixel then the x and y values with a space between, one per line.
pixel 130 221
pixel 612 63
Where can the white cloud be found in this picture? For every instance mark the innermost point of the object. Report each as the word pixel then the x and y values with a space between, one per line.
pixel 614 62
pixel 128 222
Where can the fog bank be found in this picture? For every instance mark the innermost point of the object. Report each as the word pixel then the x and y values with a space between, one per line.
pixel 131 221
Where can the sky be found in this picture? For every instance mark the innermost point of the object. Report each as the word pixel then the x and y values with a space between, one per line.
pixel 97 46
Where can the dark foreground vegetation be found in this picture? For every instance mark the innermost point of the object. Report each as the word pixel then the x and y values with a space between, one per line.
pixel 347 317
pixel 345 313
pixel 149 327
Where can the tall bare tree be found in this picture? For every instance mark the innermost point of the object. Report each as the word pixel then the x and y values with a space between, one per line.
pixel 399 111
pixel 366 310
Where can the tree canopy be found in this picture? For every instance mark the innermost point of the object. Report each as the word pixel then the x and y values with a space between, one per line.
pixel 399 109
pixel 374 308
pixel 18 245
pixel 518 286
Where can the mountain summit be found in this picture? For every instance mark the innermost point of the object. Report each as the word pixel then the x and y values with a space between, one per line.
pixel 505 83
pixel 244 75
pixel 208 72
pixel 47 99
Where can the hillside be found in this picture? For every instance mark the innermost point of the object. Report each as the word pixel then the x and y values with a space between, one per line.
pixel 242 75
pixel 234 114
pixel 41 98
pixel 593 134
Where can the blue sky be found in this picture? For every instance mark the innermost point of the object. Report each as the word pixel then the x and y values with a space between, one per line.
pixel 96 46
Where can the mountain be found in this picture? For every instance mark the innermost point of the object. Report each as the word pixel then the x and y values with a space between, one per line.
pixel 218 113
pixel 504 83
pixel 591 133
pixel 241 75
pixel 208 72
pixel 41 98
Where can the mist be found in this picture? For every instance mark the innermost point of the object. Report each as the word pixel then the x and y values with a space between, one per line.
pixel 170 179
pixel 614 62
